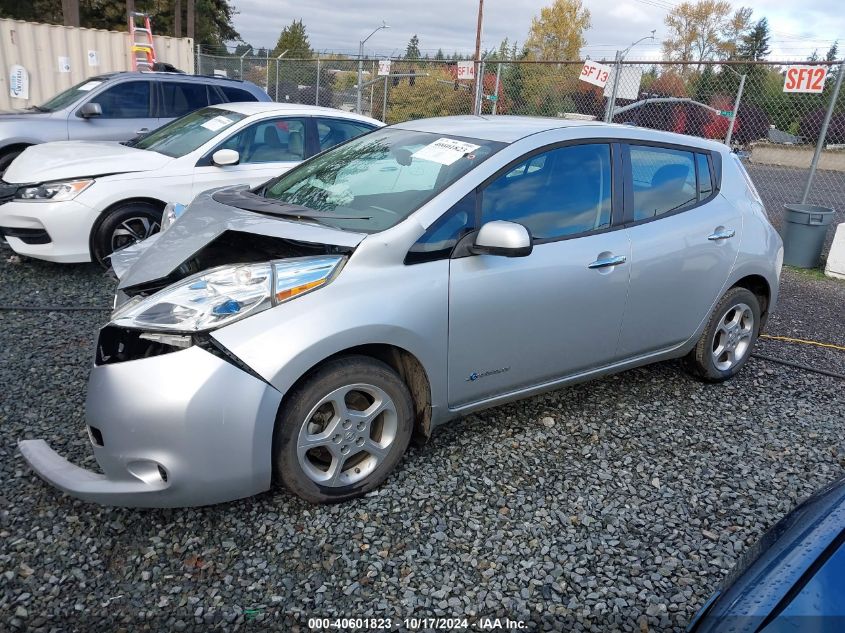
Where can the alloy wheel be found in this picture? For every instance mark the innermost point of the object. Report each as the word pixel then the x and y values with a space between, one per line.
pixel 733 337
pixel 131 231
pixel 347 435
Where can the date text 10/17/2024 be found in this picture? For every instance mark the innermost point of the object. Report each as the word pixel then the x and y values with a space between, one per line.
pixel 446 624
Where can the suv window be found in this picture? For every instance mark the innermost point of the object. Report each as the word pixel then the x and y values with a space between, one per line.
pixel 125 100
pixel 237 94
pixel 561 192
pixel 273 140
pixel 180 98
pixel 663 179
pixel 331 132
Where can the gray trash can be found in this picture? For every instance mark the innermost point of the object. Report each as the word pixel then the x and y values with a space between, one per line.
pixel 804 230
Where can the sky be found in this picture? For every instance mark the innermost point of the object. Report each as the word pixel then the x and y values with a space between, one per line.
pixel 337 26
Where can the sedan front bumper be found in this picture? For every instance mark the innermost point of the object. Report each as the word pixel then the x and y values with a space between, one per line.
pixel 185 428
pixel 62 229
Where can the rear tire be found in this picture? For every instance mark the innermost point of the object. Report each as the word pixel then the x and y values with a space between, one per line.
pixel 342 431
pixel 728 339
pixel 123 226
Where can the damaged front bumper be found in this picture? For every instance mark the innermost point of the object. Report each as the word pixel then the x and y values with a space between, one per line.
pixel 186 428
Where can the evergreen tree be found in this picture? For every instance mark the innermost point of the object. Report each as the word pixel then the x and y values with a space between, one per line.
pixel 439 55
pixel 293 39
pixel 755 45
pixel 412 51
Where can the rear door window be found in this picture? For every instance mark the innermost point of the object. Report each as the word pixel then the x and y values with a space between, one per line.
pixel 331 132
pixel 663 180
pixel 705 178
pixel 181 98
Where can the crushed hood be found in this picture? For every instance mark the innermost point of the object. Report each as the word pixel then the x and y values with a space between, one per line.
pixel 77 159
pixel 203 222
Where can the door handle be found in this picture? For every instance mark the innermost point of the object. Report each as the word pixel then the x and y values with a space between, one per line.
pixel 606 262
pixel 721 235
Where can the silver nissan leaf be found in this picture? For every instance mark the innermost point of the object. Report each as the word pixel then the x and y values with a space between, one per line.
pixel 302 332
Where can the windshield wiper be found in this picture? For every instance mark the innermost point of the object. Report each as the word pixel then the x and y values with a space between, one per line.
pixel 248 201
pixel 38 108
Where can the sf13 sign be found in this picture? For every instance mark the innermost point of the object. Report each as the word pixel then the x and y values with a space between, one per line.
pixel 805 79
pixel 595 73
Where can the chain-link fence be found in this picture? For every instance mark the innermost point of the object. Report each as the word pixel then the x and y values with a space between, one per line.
pixel 740 103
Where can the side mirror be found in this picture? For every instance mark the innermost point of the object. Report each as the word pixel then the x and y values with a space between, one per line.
pixel 90 110
pixel 507 239
pixel 224 157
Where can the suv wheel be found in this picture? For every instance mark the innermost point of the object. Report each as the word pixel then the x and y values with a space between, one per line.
pixel 343 430
pixel 727 341
pixel 123 226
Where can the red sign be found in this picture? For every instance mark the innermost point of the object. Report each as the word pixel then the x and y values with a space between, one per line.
pixel 805 79
pixel 595 73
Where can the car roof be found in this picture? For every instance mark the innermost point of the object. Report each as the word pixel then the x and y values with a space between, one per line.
pixel 509 129
pixel 250 108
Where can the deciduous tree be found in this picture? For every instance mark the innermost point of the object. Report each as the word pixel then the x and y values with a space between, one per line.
pixel 558 32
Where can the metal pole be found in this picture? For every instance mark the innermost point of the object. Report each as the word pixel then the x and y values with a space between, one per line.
pixel 736 109
pixel 820 145
pixel 198 65
pixel 611 104
pixel 276 94
pixel 373 87
pixel 498 74
pixel 317 95
pixel 267 55
pixel 384 103
pixel 360 76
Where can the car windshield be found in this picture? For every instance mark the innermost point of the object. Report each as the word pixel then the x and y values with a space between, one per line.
pixel 70 95
pixel 379 179
pixel 186 134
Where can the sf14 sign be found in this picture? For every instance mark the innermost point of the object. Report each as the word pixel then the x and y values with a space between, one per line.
pixel 805 79
pixel 595 73
pixel 466 70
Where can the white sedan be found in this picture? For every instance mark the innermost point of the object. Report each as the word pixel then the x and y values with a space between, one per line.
pixel 78 201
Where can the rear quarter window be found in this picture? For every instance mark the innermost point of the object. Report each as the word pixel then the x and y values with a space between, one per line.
pixel 237 94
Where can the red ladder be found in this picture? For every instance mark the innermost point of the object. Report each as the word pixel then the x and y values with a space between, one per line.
pixel 141 38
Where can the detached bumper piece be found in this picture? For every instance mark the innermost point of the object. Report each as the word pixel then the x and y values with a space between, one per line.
pixel 59 472
pixel 27 236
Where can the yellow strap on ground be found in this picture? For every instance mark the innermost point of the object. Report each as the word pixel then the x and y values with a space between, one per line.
pixel 804 341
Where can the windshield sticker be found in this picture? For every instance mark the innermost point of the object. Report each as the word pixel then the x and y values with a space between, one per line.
pixel 217 123
pixel 89 85
pixel 445 151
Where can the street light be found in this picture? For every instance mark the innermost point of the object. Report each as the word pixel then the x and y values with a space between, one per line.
pixel 248 51
pixel 736 104
pixel 620 56
pixel 278 61
pixel 361 63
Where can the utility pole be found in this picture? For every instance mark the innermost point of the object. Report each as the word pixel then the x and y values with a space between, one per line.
pixel 70 12
pixel 478 53
pixel 177 18
pixel 191 6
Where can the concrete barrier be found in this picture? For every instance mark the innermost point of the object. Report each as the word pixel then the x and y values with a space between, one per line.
pixel 836 258
pixel 796 156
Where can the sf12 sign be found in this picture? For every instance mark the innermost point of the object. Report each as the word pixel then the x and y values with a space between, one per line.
pixel 805 79
pixel 595 73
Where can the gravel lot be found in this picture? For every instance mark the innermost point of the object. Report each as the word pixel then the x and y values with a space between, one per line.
pixel 616 504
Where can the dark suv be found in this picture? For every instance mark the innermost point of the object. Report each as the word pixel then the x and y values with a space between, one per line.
pixel 116 107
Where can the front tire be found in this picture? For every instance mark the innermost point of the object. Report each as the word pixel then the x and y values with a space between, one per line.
pixel 727 341
pixel 342 431
pixel 123 226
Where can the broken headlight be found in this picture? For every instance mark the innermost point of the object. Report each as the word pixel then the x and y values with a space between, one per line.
pixel 222 295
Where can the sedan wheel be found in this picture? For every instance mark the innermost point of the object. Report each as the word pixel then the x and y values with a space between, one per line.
pixel 342 430
pixel 727 340
pixel 133 230
pixel 123 226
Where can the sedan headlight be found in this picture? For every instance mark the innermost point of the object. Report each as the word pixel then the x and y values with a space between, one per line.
pixel 222 295
pixel 172 210
pixel 55 191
